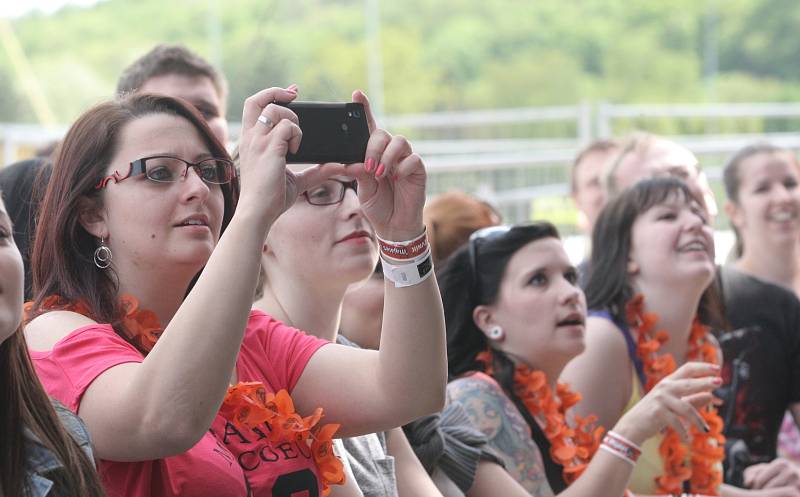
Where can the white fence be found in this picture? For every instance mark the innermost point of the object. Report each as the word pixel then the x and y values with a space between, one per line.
pixel 519 158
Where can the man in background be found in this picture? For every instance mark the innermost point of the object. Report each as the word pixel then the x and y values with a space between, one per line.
pixel 175 71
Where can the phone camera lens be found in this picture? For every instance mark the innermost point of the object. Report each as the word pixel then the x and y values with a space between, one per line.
pixel 356 113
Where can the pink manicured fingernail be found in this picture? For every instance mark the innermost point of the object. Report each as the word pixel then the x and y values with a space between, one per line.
pixel 716 381
pixel 380 170
pixel 369 164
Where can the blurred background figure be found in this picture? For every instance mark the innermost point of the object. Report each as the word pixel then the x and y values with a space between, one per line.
pixel 452 217
pixel 23 185
pixel 762 182
pixel 586 180
pixel 644 155
pixel 176 71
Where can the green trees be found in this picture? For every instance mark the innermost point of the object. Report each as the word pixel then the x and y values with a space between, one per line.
pixel 436 54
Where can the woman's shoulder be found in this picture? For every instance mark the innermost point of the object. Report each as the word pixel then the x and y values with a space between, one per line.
pixel 46 330
pixel 605 335
pixel 474 384
pixel 266 329
pixel 485 402
pixel 494 414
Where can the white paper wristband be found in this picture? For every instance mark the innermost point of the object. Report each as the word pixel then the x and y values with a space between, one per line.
pixel 403 275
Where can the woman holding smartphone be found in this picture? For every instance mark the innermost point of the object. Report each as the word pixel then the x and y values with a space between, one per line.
pixel 320 246
pixel 144 270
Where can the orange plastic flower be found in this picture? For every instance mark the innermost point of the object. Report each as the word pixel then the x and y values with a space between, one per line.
pixel 570 446
pixel 57 303
pixel 700 464
pixel 246 404
pixel 141 325
pixel 330 467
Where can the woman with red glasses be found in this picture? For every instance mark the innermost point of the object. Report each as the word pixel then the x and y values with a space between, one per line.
pixel 144 276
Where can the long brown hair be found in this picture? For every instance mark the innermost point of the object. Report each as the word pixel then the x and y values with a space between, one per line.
pixel 62 252
pixel 608 286
pixel 24 403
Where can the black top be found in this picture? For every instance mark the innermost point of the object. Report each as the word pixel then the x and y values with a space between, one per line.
pixel 761 371
pixel 22 183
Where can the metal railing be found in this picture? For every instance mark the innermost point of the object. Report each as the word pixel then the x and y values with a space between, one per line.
pixel 520 158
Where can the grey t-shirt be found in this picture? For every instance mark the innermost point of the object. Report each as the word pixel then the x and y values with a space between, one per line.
pixel 373 467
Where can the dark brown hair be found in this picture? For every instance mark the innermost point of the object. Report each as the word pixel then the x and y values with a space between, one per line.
pixel 169 59
pixel 466 281
pixel 608 287
pixel 62 252
pixel 24 404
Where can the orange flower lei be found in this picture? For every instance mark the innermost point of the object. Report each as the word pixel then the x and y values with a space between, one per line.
pixel 571 447
pixel 704 469
pixel 246 404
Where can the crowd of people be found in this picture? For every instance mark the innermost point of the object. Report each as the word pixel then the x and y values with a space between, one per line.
pixel 177 320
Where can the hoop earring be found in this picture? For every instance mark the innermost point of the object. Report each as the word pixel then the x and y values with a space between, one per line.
pixel 102 255
pixel 496 333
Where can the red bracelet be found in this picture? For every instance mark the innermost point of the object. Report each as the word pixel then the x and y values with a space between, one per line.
pixel 405 251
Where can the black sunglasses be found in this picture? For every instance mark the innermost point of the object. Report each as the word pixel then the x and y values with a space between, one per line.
pixel 476 239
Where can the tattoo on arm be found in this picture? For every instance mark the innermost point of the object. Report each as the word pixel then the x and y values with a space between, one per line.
pixel 509 436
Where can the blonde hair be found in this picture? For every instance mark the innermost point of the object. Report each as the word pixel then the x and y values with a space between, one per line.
pixel 637 144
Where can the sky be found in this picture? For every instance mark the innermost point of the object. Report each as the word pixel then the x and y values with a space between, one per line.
pixel 17 8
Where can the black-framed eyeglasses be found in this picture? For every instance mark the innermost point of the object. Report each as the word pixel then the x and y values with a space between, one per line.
pixel 169 169
pixel 330 192
pixel 476 239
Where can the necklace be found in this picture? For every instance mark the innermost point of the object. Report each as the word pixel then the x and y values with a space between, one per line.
pixel 701 462
pixel 570 446
pixel 246 404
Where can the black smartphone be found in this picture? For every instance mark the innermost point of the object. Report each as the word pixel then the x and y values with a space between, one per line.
pixel 332 132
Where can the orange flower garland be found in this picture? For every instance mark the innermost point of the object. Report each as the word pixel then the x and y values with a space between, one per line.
pixel 571 447
pixel 249 404
pixel 703 469
pixel 246 404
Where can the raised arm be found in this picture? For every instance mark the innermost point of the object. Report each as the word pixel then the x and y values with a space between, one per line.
pixel 368 391
pixel 165 404
pixel 673 402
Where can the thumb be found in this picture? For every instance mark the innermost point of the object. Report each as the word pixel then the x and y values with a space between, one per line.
pixel 361 98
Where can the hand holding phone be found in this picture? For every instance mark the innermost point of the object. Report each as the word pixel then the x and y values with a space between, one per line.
pixel 332 132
